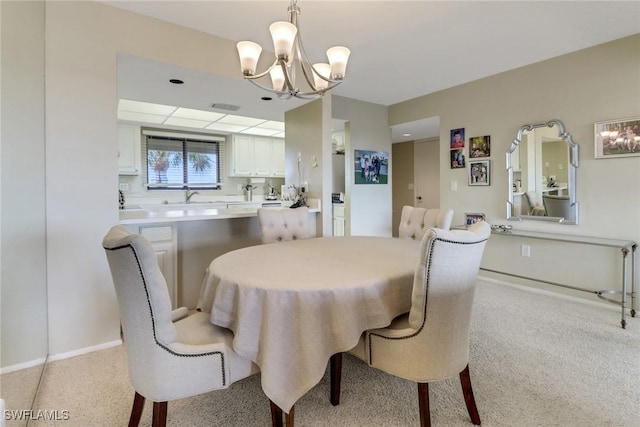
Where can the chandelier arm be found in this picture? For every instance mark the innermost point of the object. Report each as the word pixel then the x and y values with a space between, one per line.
pixel 281 94
pixel 257 76
pixel 303 57
pixel 287 79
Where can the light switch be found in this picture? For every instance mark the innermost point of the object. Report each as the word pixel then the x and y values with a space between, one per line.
pixel 454 185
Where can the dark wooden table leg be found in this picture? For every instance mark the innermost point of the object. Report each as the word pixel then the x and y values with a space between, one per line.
pixel 289 418
pixel 336 377
pixel 276 415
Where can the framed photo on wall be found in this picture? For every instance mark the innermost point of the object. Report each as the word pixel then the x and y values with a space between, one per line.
pixel 617 138
pixel 479 146
pixel 371 167
pixel 457 158
pixel 457 138
pixel 479 172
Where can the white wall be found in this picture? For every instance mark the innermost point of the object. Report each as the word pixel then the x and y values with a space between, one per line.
pixel 368 206
pixel 23 280
pixel 83 40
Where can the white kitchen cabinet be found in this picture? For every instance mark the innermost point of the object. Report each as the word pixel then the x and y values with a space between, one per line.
pixel 278 157
pixel 262 156
pixel 255 156
pixel 242 154
pixel 338 219
pixel 128 149
pixel 164 241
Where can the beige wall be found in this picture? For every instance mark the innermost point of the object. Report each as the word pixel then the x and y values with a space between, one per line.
pixel 579 89
pixel 403 159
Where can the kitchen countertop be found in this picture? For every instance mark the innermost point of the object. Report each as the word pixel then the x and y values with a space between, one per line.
pixel 167 213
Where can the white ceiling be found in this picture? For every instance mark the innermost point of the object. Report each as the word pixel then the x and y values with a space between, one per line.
pixel 399 49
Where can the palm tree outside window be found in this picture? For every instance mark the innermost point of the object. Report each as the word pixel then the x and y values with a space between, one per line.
pixel 180 163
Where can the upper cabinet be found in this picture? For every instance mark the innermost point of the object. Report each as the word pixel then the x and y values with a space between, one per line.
pixel 256 156
pixel 128 149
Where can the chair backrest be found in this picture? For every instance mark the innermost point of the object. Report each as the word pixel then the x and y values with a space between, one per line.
pixel 558 206
pixel 535 204
pixel 442 298
pixel 414 222
pixel 277 225
pixel 143 299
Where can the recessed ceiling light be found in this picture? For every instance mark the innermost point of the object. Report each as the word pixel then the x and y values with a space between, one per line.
pixel 176 81
pixel 266 98
pixel 406 134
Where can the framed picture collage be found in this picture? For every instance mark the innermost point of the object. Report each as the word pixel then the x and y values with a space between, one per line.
pixel 478 165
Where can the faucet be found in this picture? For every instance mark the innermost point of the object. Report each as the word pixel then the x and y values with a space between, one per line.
pixel 188 195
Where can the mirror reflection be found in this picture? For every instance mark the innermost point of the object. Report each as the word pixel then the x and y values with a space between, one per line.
pixel 541 164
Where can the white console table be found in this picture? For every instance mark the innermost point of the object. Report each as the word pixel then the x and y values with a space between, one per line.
pixel 626 247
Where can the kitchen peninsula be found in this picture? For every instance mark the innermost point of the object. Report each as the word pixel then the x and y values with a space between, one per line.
pixel 186 237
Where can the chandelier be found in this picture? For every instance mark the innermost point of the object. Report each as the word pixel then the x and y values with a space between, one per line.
pixel 291 61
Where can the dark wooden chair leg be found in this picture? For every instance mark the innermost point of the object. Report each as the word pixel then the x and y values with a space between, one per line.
pixel 423 401
pixel 136 410
pixel 159 414
pixel 336 377
pixel 467 391
pixel 276 415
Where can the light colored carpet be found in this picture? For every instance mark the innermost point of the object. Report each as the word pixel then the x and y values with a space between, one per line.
pixel 537 359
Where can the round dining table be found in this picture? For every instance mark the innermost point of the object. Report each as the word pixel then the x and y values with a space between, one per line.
pixel 292 305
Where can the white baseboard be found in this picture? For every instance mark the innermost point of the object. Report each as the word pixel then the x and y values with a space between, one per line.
pixel 81 351
pixel 59 356
pixel 23 365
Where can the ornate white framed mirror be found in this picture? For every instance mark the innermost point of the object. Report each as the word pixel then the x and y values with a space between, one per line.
pixel 541 166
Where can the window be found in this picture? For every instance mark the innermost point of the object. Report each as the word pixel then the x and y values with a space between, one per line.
pixel 180 162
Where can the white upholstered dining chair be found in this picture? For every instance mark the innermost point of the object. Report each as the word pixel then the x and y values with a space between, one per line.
pixel 277 225
pixel 171 355
pixel 414 222
pixel 535 204
pixel 558 206
pixel 431 341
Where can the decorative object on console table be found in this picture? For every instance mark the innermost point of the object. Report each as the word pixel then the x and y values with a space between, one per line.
pixel 617 138
pixel 479 172
pixel 472 218
pixel 371 167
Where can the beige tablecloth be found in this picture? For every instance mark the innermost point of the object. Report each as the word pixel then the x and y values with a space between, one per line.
pixel 292 305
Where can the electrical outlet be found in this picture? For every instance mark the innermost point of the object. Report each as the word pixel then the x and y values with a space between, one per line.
pixel 454 185
pixel 525 250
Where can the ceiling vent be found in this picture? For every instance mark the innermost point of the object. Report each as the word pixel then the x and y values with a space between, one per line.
pixel 228 107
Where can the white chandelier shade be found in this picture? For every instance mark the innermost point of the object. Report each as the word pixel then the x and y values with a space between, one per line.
pixel 291 59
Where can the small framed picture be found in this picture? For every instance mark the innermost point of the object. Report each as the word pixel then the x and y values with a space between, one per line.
pixel 479 146
pixel 457 158
pixel 617 138
pixel 457 138
pixel 479 172
pixel 472 218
